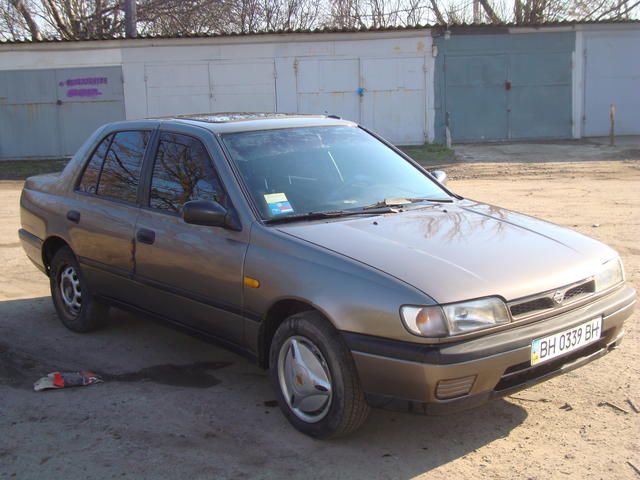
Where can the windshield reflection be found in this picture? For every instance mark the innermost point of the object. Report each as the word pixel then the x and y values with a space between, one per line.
pixel 296 171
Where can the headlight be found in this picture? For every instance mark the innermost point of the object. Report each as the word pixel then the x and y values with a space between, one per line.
pixel 609 275
pixel 456 318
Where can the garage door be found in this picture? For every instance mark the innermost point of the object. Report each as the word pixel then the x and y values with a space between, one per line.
pixel 329 86
pixel 243 87
pixel 504 86
pixel 218 86
pixel 50 113
pixel 177 89
pixel 476 98
pixel 384 94
pixel 393 102
pixel 516 96
pixel 612 76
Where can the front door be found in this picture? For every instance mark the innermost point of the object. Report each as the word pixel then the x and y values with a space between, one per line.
pixel 190 274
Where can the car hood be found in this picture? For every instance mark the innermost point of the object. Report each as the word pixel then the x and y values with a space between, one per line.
pixel 464 250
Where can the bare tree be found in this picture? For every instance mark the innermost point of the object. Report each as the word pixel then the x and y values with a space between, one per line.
pixel 486 6
pixel 437 13
pixel 28 21
pixel 81 19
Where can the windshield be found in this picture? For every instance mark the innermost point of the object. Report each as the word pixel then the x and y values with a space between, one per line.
pixel 297 171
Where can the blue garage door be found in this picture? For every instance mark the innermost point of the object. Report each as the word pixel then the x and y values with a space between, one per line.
pixel 49 113
pixel 503 87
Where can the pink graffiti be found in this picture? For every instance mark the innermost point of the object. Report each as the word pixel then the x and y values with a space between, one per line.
pixel 84 92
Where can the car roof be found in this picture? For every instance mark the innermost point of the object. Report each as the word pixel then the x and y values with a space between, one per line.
pixel 251 121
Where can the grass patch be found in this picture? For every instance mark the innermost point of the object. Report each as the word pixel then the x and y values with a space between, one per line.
pixel 429 154
pixel 21 169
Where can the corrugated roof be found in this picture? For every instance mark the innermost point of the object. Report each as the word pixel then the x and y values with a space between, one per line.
pixel 325 30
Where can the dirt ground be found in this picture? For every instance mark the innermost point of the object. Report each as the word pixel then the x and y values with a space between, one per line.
pixel 176 407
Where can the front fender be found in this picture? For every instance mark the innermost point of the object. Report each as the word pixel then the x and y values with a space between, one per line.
pixel 353 296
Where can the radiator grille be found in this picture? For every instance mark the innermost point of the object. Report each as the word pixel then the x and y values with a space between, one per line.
pixel 552 299
pixel 531 306
pixel 580 290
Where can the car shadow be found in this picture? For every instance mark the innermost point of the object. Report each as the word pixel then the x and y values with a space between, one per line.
pixel 156 369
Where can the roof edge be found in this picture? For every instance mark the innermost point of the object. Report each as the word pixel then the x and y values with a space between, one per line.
pixel 326 30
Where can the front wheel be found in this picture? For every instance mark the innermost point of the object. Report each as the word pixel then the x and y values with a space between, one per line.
pixel 315 377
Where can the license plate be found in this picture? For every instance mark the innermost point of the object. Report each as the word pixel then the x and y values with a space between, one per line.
pixel 547 348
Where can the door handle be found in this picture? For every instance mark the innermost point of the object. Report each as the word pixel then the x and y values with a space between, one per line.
pixel 146 236
pixel 73 216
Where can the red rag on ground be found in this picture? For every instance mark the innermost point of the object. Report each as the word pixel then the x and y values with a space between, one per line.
pixel 58 381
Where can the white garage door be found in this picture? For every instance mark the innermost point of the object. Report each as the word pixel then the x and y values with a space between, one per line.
pixel 218 86
pixel 243 86
pixel 177 89
pixel 612 76
pixel 393 99
pixel 384 94
pixel 329 86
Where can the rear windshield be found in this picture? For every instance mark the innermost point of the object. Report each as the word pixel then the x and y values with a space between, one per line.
pixel 321 169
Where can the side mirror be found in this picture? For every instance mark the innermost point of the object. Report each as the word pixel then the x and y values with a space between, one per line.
pixel 208 213
pixel 440 176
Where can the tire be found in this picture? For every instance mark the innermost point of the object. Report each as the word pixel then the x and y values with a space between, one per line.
pixel 72 299
pixel 327 410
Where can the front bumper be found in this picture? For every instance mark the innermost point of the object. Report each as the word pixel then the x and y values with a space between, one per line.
pixel 405 376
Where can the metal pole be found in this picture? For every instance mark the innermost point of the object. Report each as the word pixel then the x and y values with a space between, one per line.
pixel 612 125
pixel 130 18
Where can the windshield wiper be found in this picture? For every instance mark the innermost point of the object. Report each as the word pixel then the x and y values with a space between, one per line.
pixel 400 202
pixel 331 214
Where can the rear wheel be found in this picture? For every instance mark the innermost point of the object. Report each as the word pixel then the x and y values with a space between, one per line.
pixel 315 377
pixel 72 299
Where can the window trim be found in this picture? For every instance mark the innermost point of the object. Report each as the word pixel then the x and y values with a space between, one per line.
pixel 88 158
pixel 87 161
pixel 146 194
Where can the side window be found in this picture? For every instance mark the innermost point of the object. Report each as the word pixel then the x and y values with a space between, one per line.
pixel 182 171
pixel 89 181
pixel 121 171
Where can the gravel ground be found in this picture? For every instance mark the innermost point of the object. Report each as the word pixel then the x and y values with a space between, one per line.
pixel 176 407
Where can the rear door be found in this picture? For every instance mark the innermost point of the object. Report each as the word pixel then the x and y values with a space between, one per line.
pixel 102 220
pixel 191 274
